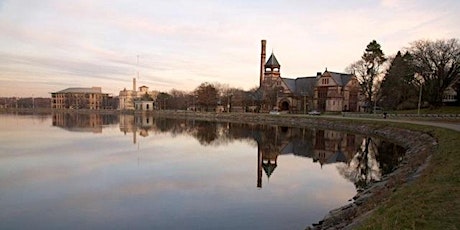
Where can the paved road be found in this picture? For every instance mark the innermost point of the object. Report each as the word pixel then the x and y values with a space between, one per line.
pixel 448 125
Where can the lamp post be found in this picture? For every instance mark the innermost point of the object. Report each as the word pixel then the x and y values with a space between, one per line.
pixel 419 100
pixel 419 78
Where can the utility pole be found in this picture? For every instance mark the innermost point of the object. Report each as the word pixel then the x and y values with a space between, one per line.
pixel 137 67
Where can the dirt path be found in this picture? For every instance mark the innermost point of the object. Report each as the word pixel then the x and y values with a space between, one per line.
pixel 446 125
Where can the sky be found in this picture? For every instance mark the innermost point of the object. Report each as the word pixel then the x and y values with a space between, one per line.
pixel 50 45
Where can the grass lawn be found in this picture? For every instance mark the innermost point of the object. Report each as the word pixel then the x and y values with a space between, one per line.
pixel 433 200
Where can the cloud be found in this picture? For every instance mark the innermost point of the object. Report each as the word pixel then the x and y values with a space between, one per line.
pixel 182 44
pixel 390 3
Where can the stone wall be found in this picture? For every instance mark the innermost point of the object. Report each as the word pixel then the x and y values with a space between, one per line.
pixel 404 116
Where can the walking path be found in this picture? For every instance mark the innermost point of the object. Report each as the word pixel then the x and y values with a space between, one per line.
pixel 446 125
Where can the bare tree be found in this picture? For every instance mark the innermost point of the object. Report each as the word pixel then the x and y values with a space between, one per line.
pixel 206 96
pixel 438 63
pixel 254 99
pixel 163 100
pixel 178 99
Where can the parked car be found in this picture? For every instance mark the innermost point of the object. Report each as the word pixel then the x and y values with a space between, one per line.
pixel 378 109
pixel 314 112
pixel 274 112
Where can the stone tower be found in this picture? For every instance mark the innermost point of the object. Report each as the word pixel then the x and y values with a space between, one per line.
pixel 271 70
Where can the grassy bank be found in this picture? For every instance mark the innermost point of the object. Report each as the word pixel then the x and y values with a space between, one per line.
pixel 433 200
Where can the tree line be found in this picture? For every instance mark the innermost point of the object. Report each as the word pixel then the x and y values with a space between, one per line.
pixel 207 96
pixel 416 76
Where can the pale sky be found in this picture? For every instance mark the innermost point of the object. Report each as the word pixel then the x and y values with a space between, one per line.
pixel 50 45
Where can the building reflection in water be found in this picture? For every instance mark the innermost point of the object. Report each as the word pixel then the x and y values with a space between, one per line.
pixel 79 122
pixel 323 146
pixel 133 124
pixel 362 159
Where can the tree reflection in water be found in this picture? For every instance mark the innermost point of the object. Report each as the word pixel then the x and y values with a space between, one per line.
pixel 361 159
pixel 373 158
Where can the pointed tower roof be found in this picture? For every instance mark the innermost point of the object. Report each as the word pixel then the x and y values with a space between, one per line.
pixel 272 62
pixel 268 168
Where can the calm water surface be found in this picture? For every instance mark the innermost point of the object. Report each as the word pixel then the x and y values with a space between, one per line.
pixel 66 171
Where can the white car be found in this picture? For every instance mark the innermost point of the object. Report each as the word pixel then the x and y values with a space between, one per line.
pixel 314 112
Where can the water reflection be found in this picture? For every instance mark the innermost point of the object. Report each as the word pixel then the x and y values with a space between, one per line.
pixel 145 172
pixel 365 158
pixel 78 122
pixel 374 158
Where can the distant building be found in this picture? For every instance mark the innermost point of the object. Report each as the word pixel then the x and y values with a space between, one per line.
pixel 79 98
pixel 450 95
pixel 26 102
pixel 328 91
pixel 137 100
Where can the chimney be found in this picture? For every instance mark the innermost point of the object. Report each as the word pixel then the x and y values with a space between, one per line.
pixel 318 74
pixel 262 61
pixel 134 84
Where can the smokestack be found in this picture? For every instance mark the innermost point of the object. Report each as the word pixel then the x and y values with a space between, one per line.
pixel 259 167
pixel 134 84
pixel 262 61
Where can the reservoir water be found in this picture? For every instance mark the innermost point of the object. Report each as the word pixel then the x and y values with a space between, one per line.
pixel 92 171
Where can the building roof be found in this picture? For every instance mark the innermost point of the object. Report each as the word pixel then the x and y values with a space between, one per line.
pixel 81 90
pixel 290 83
pixel 341 78
pixel 272 62
pixel 302 86
pixel 305 86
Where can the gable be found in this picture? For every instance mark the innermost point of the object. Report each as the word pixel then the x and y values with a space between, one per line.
pixel 326 79
pixel 353 82
pixel 334 79
pixel 287 85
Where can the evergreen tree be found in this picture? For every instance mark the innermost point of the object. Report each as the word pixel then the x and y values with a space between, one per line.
pixel 368 69
pixel 398 87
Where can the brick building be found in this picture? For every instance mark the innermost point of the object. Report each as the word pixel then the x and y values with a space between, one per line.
pixel 80 98
pixel 327 91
